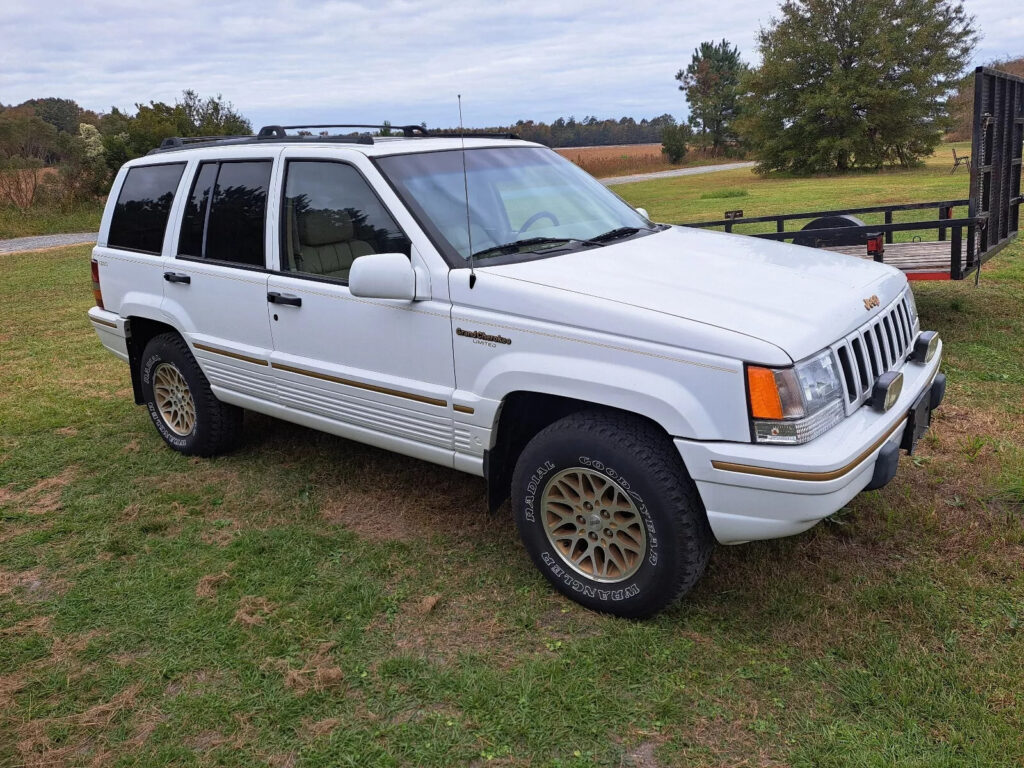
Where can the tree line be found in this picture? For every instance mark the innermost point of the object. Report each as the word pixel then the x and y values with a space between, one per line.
pixel 55 152
pixel 588 132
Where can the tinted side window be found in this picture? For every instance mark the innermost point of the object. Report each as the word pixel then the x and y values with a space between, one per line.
pixel 193 222
pixel 143 205
pixel 226 213
pixel 331 217
pixel 234 231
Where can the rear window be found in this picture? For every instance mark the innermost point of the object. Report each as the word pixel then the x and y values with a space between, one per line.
pixel 226 213
pixel 143 205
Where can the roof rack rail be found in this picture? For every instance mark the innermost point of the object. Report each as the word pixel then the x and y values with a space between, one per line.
pixel 181 141
pixel 279 133
pixel 409 131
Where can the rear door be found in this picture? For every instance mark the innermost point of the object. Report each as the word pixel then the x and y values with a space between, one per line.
pixel 377 370
pixel 216 285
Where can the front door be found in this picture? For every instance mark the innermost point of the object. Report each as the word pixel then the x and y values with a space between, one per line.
pixel 376 370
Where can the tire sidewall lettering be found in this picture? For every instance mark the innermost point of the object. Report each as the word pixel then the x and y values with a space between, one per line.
pixel 179 442
pixel 552 561
pixel 532 486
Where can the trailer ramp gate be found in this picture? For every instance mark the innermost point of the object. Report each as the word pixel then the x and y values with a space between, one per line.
pixel 965 242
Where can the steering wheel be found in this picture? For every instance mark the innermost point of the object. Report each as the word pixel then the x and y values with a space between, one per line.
pixel 537 217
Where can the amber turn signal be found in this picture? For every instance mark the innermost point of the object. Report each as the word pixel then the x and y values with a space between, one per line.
pixel 765 402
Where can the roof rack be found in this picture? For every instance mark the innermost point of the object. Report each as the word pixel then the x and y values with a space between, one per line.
pixel 279 133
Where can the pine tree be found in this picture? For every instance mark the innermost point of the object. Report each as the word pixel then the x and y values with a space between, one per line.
pixel 854 83
pixel 711 84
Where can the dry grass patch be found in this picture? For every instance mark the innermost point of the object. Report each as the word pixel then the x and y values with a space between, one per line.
pixel 315 729
pixel 36 625
pixel 43 497
pixel 253 611
pixel 36 585
pixel 85 744
pixel 441 630
pixel 208 585
pixel 405 501
pixel 318 673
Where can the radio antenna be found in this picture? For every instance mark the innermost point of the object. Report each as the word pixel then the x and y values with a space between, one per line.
pixel 465 186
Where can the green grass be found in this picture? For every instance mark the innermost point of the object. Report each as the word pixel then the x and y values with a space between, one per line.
pixel 276 606
pixel 691 199
pixel 47 220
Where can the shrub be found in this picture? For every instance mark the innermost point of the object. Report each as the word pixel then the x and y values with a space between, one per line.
pixel 674 140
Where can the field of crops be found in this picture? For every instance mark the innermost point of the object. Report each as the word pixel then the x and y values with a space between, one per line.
pixel 623 159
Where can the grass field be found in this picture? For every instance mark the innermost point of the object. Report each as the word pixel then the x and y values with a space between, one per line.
pixel 603 162
pixel 308 601
pixel 43 220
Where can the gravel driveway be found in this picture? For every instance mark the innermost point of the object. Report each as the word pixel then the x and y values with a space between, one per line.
pixel 678 172
pixel 39 242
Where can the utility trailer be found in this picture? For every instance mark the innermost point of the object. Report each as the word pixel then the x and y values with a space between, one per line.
pixel 965 242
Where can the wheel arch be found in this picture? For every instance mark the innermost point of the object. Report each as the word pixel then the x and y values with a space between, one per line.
pixel 139 330
pixel 521 415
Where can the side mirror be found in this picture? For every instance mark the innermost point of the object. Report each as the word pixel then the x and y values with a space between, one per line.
pixel 383 276
pixel 643 212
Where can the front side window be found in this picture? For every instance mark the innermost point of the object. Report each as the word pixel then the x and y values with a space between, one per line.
pixel 143 205
pixel 226 213
pixel 517 195
pixel 330 217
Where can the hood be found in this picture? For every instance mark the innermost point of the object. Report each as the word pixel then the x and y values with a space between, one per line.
pixel 796 298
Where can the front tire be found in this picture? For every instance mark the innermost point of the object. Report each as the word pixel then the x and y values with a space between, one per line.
pixel 609 515
pixel 186 413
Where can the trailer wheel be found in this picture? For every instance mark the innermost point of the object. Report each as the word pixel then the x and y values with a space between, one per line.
pixel 831 222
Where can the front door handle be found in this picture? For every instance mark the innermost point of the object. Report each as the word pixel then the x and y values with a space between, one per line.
pixel 177 277
pixel 284 298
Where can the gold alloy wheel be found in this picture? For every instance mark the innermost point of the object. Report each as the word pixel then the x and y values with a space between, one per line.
pixel 594 525
pixel 174 399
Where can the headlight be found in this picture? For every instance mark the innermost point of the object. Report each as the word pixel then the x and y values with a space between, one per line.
pixel 795 405
pixel 915 322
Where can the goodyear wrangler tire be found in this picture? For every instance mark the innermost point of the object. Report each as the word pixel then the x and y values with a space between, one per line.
pixel 609 515
pixel 186 413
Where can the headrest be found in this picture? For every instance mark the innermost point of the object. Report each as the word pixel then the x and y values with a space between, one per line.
pixel 325 227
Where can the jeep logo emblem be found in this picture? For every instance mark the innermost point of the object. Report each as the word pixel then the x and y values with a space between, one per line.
pixel 871 302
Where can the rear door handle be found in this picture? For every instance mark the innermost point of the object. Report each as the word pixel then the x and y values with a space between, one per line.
pixel 284 298
pixel 177 277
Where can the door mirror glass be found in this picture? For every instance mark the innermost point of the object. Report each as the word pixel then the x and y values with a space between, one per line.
pixel 383 276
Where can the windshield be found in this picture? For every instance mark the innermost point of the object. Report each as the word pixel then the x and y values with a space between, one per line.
pixel 524 201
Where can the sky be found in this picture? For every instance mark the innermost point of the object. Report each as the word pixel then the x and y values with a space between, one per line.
pixel 320 61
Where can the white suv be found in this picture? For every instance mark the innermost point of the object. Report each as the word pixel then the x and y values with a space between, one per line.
pixel 639 390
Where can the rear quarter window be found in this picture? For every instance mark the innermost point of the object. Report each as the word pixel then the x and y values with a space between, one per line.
pixel 143 205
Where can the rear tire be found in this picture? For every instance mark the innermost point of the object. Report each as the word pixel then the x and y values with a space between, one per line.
pixel 186 413
pixel 609 515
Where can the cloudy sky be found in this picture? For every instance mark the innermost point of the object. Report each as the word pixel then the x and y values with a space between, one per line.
pixel 403 60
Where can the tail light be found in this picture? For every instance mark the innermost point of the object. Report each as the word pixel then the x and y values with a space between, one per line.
pixel 876 246
pixel 96 292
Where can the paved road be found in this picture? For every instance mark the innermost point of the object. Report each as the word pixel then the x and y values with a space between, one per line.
pixel 45 241
pixel 56 241
pixel 679 172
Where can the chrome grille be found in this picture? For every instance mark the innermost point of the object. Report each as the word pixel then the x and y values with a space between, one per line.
pixel 880 345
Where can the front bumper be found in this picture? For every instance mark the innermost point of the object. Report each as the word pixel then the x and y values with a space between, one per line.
pixel 755 491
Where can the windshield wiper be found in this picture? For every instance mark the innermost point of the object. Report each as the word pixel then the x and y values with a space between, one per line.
pixel 615 234
pixel 516 246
